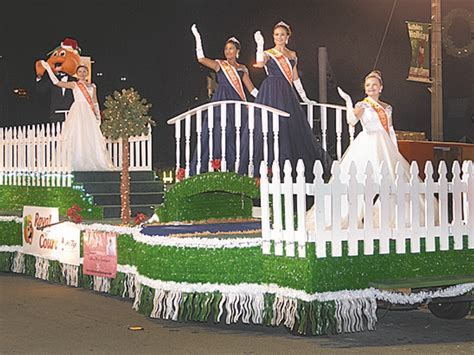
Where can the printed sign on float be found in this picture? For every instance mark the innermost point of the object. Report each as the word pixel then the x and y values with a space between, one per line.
pixel 36 241
pixel 59 242
pixel 100 253
pixel 68 239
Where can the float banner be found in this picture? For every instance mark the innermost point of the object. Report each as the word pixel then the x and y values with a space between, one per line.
pixel 419 34
pixel 68 239
pixel 100 253
pixel 37 241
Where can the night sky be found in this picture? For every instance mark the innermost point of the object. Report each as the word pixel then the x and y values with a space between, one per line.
pixel 150 43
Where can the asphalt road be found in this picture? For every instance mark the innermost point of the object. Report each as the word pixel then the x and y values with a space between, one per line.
pixel 40 317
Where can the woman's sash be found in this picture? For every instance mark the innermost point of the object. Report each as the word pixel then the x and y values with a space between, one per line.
pixel 233 77
pixel 283 63
pixel 86 94
pixel 383 118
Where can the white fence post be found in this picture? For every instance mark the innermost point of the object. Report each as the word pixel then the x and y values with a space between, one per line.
pixel 457 190
pixel 265 203
pixel 301 233
pixel 277 230
pixel 443 206
pixel 289 230
pixel 468 179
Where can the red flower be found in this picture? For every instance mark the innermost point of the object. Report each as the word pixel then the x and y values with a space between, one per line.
pixel 257 182
pixel 216 164
pixel 140 218
pixel 180 174
pixel 73 213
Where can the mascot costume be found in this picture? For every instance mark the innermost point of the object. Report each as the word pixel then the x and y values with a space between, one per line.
pixel 64 61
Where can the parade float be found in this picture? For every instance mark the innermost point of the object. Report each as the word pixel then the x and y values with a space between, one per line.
pixel 271 272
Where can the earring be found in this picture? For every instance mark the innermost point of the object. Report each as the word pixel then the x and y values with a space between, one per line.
pixel 286 42
pixel 237 55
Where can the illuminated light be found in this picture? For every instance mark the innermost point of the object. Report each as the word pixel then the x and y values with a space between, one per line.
pixel 20 92
pixel 123 78
pixel 100 74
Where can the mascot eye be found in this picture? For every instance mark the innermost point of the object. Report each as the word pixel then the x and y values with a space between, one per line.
pixel 62 53
pixel 55 54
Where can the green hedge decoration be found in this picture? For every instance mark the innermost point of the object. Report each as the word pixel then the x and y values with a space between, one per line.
pixel 10 233
pixel 233 266
pixel 209 195
pixel 13 198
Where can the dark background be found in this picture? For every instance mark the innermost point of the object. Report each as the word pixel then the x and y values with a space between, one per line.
pixel 150 43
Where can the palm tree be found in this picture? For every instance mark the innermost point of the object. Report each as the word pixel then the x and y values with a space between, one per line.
pixel 126 115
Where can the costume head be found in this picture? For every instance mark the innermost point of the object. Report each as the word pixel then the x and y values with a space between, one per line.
pixel 64 58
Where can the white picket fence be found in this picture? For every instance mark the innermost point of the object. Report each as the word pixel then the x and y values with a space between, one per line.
pixel 38 155
pixel 192 121
pixel 439 209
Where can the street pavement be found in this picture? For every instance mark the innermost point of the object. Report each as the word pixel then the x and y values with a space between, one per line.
pixel 38 317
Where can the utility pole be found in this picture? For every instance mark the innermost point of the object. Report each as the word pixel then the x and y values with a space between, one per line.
pixel 437 73
pixel 323 86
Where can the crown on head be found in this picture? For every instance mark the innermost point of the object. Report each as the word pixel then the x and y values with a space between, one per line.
pixel 283 24
pixel 233 39
pixel 375 74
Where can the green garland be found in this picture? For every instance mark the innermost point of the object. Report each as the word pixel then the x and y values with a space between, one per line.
pixel 249 265
pixel 6 260
pixel 13 198
pixel 209 195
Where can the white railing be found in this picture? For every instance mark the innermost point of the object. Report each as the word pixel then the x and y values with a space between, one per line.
pixel 330 119
pixel 38 152
pixel 408 210
pixel 193 123
pixel 332 127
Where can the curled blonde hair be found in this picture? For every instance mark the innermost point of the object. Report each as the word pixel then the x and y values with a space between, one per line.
pixel 375 74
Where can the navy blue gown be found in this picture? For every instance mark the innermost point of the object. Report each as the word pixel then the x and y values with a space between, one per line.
pixel 295 135
pixel 224 91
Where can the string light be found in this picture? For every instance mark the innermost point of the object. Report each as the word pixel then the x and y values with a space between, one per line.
pixel 126 115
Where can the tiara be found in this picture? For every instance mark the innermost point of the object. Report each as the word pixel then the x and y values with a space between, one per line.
pixel 233 39
pixel 374 74
pixel 284 24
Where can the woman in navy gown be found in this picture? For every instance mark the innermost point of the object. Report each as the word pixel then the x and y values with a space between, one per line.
pixel 231 78
pixel 278 90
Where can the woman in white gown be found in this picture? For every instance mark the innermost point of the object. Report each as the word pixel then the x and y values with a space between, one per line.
pixel 81 129
pixel 376 143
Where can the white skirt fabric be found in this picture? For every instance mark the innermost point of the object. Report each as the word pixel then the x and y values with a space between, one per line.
pixel 85 140
pixel 375 147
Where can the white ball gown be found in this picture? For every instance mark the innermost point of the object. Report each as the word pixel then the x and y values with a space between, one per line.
pixel 375 145
pixel 83 136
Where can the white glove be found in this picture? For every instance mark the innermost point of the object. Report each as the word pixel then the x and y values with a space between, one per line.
pixel 254 92
pixel 302 93
pixel 53 77
pixel 259 40
pixel 197 36
pixel 97 110
pixel 350 117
